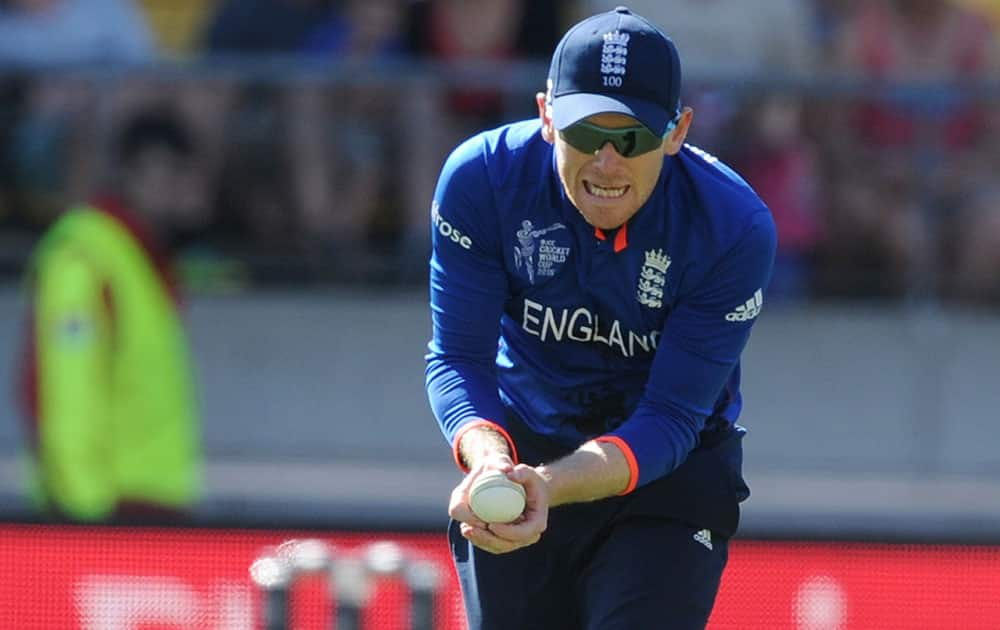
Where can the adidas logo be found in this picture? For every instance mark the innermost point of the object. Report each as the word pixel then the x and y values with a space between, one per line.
pixel 704 536
pixel 749 310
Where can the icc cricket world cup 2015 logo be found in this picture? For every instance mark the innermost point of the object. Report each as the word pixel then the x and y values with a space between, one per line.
pixel 538 256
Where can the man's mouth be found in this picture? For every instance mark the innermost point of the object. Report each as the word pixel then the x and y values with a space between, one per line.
pixel 605 192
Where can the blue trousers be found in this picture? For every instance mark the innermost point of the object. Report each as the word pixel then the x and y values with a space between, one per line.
pixel 651 559
pixel 594 571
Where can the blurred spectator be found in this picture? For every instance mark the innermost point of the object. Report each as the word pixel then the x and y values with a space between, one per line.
pixel 481 33
pixel 201 104
pixel 11 101
pixel 917 41
pixel 107 381
pixel 303 171
pixel 829 18
pixel 51 32
pixel 51 147
pixel 178 24
pixel 306 172
pixel 255 188
pixel 886 152
pixel 970 187
pixel 263 26
pixel 254 201
pixel 485 37
pixel 733 40
pixel 976 278
pixel 990 9
pixel 360 30
pixel 781 163
pixel 343 135
pixel 301 174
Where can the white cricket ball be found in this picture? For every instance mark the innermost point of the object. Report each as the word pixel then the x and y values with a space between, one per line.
pixel 495 498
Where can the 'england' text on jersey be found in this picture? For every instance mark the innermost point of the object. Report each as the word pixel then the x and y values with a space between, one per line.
pixel 584 326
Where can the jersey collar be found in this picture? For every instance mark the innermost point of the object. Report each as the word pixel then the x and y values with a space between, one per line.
pixel 621 236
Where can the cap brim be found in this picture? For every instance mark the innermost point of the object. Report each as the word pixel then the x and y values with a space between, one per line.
pixel 571 108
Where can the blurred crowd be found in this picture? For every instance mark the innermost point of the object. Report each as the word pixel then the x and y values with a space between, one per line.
pixel 317 128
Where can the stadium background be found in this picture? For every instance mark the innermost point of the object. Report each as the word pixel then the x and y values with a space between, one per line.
pixel 870 380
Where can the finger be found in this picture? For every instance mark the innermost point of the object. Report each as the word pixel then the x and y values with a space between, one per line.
pixel 499 537
pixel 485 537
pixel 498 461
pixel 458 505
pixel 536 493
pixel 527 531
pixel 485 534
pixel 488 541
pixel 529 478
pixel 524 474
pixel 459 509
pixel 463 514
pixel 511 545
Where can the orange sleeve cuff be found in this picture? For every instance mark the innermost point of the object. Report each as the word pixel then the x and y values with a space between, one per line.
pixel 633 465
pixel 481 423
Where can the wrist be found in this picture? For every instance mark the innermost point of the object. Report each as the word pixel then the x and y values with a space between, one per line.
pixel 480 440
pixel 548 477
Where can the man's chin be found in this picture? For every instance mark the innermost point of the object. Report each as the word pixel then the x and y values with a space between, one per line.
pixel 605 218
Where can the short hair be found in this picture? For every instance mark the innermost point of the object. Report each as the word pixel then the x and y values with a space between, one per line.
pixel 157 127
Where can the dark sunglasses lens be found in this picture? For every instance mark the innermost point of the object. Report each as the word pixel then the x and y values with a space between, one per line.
pixel 644 142
pixel 628 142
pixel 583 138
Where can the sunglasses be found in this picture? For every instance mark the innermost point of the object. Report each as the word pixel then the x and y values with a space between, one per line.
pixel 627 141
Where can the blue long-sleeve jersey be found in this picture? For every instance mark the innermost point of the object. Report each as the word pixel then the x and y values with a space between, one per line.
pixel 632 335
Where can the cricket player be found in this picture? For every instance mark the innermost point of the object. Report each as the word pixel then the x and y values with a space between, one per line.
pixel 593 283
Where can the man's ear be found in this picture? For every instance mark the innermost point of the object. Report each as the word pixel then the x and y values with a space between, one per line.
pixel 675 139
pixel 545 115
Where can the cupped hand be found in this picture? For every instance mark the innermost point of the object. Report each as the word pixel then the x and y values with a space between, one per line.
pixel 499 538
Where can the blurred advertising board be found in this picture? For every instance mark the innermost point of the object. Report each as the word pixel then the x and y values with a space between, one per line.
pixel 119 578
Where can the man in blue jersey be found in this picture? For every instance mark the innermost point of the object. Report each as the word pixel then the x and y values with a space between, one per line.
pixel 593 281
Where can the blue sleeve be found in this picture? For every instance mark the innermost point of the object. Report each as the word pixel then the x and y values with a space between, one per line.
pixel 468 290
pixel 701 344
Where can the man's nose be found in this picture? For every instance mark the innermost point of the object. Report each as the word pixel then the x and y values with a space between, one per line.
pixel 607 155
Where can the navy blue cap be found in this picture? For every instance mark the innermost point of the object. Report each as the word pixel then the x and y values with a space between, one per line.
pixel 615 62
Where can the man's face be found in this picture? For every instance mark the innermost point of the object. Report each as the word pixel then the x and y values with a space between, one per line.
pixel 605 187
pixel 152 182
